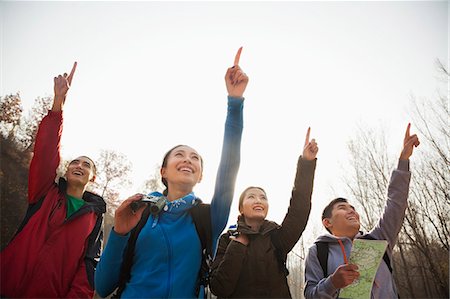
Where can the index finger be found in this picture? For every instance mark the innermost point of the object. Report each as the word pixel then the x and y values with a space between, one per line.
pixel 407 134
pixel 69 79
pixel 307 136
pixel 237 57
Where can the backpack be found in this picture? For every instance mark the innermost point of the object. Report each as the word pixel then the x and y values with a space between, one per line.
pixel 201 215
pixel 322 255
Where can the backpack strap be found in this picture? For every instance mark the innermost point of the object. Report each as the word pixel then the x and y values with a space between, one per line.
pixel 202 220
pixel 386 258
pixel 127 262
pixel 31 210
pixel 322 256
pixel 201 216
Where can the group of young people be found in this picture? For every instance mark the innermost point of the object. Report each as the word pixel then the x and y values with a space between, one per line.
pixel 179 250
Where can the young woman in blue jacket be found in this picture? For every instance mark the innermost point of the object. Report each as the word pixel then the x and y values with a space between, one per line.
pixel 168 252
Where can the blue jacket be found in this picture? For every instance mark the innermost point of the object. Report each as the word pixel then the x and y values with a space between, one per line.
pixel 168 251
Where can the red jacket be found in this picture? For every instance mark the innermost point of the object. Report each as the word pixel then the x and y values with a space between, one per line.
pixel 52 256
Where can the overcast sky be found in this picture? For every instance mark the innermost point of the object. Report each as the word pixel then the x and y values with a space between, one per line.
pixel 151 75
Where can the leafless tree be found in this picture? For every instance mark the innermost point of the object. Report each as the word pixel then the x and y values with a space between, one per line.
pixel 421 256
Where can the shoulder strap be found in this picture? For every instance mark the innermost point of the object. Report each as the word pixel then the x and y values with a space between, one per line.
pixel 322 256
pixel 201 216
pixel 127 262
pixel 31 210
pixel 386 258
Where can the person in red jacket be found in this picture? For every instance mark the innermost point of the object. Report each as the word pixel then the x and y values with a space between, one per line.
pixel 55 250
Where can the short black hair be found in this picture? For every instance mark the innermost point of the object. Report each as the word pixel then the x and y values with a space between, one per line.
pixel 329 208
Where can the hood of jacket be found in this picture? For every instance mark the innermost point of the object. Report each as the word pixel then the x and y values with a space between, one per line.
pixel 329 238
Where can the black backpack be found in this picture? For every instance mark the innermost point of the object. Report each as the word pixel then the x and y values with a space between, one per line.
pixel 322 255
pixel 201 215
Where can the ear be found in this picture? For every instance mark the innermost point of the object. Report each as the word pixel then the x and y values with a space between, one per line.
pixel 92 179
pixel 162 171
pixel 327 223
pixel 200 178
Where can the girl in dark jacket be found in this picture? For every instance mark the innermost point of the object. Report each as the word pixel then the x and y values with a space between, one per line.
pixel 249 262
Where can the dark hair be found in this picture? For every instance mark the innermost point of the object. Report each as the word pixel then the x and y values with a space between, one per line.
pixel 242 196
pixel 329 208
pixel 164 164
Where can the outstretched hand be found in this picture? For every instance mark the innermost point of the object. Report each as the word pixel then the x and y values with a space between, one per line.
pixel 61 86
pixel 235 79
pixel 408 144
pixel 310 149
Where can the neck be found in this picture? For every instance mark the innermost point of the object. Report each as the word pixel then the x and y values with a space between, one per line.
pixel 177 192
pixel 75 191
pixel 255 224
pixel 349 235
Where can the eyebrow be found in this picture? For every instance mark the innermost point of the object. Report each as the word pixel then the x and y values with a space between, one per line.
pixel 345 205
pixel 184 152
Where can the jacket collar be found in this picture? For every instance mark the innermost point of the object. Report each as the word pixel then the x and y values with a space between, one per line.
pixel 93 200
pixel 265 228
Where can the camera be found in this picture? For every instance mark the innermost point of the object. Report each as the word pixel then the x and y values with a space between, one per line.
pixel 156 203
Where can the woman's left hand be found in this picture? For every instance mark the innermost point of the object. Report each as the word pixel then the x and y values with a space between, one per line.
pixel 235 79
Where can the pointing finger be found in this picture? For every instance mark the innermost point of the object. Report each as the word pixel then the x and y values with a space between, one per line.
pixel 69 79
pixel 307 136
pixel 237 57
pixel 407 134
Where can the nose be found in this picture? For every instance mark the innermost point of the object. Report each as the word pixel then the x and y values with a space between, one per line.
pixel 187 159
pixel 353 212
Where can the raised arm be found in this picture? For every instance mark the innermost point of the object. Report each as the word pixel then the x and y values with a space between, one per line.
pixel 46 149
pixel 295 221
pixel 236 82
pixel 390 223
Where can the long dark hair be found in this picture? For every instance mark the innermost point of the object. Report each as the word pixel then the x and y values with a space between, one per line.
pixel 164 164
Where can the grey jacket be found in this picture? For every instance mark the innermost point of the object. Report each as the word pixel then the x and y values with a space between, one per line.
pixel 387 228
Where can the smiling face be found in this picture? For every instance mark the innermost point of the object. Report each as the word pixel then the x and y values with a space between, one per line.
pixel 182 167
pixel 80 171
pixel 253 204
pixel 344 220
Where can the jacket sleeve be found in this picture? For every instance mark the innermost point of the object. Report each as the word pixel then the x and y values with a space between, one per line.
pixel 108 269
pixel 45 156
pixel 83 283
pixel 390 223
pixel 295 221
pixel 227 266
pixel 228 168
pixel 316 285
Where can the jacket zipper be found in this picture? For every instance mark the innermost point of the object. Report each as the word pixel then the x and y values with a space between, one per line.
pixel 58 206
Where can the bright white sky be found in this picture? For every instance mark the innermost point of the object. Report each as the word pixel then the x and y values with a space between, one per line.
pixel 151 75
